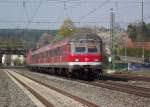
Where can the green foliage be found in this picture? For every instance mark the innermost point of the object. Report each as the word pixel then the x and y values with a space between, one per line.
pixel 132 32
pixel 134 52
pixel 66 31
pixel 27 38
pixel 148 26
pixel 67 28
pixel 10 43
pixel 17 61
pixel 139 32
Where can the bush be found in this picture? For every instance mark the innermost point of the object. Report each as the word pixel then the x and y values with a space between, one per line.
pixel 134 52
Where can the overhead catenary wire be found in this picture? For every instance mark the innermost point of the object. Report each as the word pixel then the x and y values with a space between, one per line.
pixel 65 9
pixel 35 13
pixel 93 10
pixel 26 13
pixel 31 19
pixel 72 1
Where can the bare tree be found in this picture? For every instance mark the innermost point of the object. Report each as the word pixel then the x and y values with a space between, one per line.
pixel 44 39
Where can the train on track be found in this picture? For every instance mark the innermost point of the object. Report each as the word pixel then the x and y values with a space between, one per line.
pixel 79 55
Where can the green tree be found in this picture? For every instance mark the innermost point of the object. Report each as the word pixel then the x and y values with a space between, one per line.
pixel 132 32
pixel 139 32
pixel 67 28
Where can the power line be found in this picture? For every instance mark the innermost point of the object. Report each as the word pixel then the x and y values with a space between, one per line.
pixel 35 13
pixel 71 1
pixel 26 13
pixel 36 10
pixel 95 9
pixel 47 22
pixel 65 8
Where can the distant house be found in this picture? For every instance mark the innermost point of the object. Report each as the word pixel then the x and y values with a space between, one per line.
pixel 133 44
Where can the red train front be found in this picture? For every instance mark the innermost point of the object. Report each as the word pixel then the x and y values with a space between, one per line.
pixel 78 55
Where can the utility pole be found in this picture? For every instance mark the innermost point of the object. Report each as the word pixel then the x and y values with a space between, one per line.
pixel 126 50
pixel 143 32
pixel 142 12
pixel 112 23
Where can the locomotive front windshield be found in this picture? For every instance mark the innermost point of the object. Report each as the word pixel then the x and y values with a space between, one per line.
pixel 80 47
pixel 92 47
pixel 86 46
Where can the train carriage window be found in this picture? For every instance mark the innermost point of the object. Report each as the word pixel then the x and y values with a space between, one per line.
pixel 49 53
pixel 58 51
pixel 66 49
pixel 46 54
pixel 61 50
pixel 37 56
pixel 54 52
pixel 41 55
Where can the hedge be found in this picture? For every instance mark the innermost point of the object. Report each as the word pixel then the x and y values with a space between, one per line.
pixel 134 52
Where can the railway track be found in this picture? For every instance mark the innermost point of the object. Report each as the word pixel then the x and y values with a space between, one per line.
pixel 127 77
pixel 113 85
pixel 122 87
pixel 131 89
pixel 46 93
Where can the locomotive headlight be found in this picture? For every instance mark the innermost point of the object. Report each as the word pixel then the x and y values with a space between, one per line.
pixel 76 60
pixel 96 60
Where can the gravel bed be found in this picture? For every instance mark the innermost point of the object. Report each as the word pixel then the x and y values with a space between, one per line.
pixel 100 96
pixel 136 83
pixel 139 83
pixel 11 95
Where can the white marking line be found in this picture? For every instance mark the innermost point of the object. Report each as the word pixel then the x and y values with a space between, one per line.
pixel 28 93
pixel 54 97
pixel 68 64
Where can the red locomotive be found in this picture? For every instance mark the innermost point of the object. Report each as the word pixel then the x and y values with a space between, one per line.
pixel 78 55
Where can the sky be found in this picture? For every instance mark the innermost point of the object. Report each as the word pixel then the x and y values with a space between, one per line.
pixel 50 14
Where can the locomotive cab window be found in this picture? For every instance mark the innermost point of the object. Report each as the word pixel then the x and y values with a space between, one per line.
pixel 87 46
pixel 92 46
pixel 80 47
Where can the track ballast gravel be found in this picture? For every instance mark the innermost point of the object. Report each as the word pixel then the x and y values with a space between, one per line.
pixel 100 96
pixel 11 95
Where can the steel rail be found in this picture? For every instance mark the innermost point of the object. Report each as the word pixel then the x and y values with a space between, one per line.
pixel 38 96
pixel 131 89
pixel 128 77
pixel 82 101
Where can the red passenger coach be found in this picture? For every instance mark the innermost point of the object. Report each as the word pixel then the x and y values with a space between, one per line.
pixel 78 55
